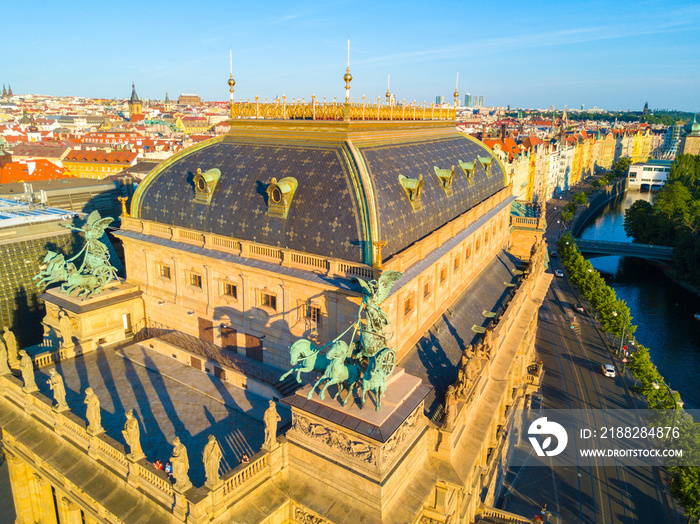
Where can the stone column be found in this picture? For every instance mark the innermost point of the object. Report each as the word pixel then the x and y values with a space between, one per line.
pixel 42 499
pixel 21 492
pixel 68 511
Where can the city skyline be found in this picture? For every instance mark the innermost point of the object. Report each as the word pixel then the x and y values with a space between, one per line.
pixel 535 56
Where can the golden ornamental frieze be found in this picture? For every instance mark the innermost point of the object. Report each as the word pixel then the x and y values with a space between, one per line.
pixel 280 109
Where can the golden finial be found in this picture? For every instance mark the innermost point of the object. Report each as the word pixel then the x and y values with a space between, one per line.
pixel 231 81
pixel 348 76
pixel 388 93
pixel 123 200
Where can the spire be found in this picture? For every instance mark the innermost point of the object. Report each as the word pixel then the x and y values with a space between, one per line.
pixel 4 91
pixel 134 96
pixel 9 90
pixel 456 93
pixel 167 100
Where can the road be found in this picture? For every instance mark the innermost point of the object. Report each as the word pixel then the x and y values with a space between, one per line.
pixel 572 360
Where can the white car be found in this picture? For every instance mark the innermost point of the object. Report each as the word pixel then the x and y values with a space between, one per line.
pixel 559 273
pixel 608 370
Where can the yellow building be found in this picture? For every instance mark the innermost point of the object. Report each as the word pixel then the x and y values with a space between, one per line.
pixel 242 245
pixel 97 164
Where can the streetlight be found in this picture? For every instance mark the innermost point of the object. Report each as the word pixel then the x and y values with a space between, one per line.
pixel 622 338
pixel 669 393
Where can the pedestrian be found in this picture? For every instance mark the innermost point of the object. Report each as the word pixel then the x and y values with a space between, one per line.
pixel 158 464
pixel 244 458
pixel 169 470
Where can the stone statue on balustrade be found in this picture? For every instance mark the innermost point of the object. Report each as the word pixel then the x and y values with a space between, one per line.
pixel 12 348
pixel 55 382
pixel 479 351
pixel 132 436
pixel 4 367
pixel 181 466
pixel 93 413
pixel 488 340
pixel 26 366
pixel 271 419
pixel 450 409
pixel 212 461
pixel 66 329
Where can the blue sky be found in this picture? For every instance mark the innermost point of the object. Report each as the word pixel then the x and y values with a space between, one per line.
pixel 611 54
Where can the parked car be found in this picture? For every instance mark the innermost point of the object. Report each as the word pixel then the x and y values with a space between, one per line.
pixel 579 308
pixel 559 273
pixel 608 370
pixel 554 254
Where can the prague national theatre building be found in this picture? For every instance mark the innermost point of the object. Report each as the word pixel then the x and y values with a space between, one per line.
pixel 240 246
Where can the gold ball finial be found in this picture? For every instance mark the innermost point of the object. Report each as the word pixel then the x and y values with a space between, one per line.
pixel 231 83
pixel 347 78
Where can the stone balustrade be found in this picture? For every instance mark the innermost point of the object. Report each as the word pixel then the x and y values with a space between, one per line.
pixel 504 516
pixel 246 249
pixel 141 475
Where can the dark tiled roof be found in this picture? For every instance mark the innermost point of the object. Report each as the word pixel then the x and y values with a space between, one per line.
pixel 330 204
pixel 400 225
pixel 435 358
pixel 323 218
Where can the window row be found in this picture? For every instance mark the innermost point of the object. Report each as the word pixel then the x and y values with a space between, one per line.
pixel 308 310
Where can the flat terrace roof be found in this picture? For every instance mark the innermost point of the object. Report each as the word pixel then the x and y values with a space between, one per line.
pixel 169 399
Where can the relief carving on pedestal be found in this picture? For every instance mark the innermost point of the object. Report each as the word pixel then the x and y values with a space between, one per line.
pixel 302 516
pixel 336 440
pixel 406 430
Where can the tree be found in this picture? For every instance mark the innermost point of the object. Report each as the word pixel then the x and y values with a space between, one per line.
pixel 621 167
pixel 638 219
pixel 686 170
pixel 580 198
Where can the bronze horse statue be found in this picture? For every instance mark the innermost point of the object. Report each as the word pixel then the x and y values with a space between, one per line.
pixel 305 357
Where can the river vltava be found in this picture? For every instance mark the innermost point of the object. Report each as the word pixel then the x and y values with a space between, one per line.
pixel 661 309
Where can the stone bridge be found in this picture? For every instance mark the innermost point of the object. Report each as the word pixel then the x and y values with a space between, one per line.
pixel 604 247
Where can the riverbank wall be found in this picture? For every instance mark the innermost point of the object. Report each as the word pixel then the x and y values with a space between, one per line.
pixel 597 199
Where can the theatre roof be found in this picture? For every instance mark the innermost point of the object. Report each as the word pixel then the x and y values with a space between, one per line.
pixel 355 182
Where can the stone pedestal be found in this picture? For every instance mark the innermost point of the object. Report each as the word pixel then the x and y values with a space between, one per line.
pixel 99 320
pixel 356 454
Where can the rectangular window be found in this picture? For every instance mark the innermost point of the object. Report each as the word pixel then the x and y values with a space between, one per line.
pixel 408 305
pixel 196 280
pixel 467 253
pixel 427 290
pixel 164 271
pixel 455 265
pixel 312 312
pixel 229 290
pixel 267 300
pixel 443 275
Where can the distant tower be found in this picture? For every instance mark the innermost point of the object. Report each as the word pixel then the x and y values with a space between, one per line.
pixel 4 91
pixel 468 100
pixel 135 106
pixel 167 105
pixel 481 101
pixel 645 112
pixel 439 100
pixel 9 90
